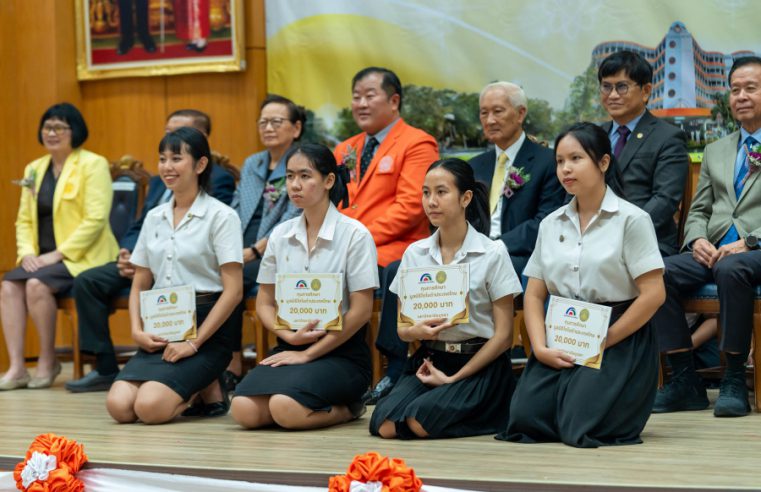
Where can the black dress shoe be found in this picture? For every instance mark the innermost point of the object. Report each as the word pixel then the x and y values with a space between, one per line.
pixel 124 47
pixel 93 381
pixel 195 47
pixel 381 389
pixel 148 44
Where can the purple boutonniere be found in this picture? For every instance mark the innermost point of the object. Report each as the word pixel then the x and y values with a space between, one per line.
pixel 273 191
pixel 516 178
pixel 754 160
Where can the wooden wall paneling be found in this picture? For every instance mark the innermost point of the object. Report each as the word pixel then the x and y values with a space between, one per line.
pixel 126 116
pixel 231 99
pixel 256 34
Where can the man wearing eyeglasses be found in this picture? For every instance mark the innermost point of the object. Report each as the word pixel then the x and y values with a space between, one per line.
pixel 651 154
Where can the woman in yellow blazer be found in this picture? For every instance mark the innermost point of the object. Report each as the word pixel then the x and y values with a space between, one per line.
pixel 61 230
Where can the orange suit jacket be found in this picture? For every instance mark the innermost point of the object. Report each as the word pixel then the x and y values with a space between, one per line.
pixel 388 200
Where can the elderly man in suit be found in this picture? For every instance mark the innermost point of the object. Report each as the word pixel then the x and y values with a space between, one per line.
pixel 721 245
pixel 387 163
pixel 651 154
pixel 516 210
pixel 95 289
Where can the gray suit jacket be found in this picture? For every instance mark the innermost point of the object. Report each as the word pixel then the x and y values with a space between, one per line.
pixel 250 190
pixel 715 207
pixel 654 166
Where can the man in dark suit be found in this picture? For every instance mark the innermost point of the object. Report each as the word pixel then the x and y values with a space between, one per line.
pixel 127 26
pixel 651 154
pixel 95 289
pixel 721 246
pixel 516 208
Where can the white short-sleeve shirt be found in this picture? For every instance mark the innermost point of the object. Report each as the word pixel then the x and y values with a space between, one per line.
pixel 207 237
pixel 600 265
pixel 343 246
pixel 492 277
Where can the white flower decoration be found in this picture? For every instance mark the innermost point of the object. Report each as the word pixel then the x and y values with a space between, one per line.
pixel 37 468
pixel 357 486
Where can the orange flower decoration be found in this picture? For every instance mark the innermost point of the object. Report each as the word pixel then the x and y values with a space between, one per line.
pixel 392 473
pixel 50 464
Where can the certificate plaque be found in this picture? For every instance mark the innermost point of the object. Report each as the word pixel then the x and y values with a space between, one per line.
pixel 304 297
pixel 578 328
pixel 169 313
pixel 439 291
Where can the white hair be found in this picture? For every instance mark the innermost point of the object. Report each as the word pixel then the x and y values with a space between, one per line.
pixel 514 93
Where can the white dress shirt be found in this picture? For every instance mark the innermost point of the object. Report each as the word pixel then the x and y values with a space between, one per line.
pixel 512 152
pixel 343 246
pixel 207 236
pixel 492 277
pixel 601 264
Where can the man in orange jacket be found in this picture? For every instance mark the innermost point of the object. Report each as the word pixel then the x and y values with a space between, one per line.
pixel 387 163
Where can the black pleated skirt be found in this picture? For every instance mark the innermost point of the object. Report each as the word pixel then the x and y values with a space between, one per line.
pixel 477 405
pixel 585 407
pixel 338 378
pixel 190 375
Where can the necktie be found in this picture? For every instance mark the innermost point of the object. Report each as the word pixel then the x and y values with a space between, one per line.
pixel 498 181
pixel 367 156
pixel 740 179
pixel 732 235
pixel 623 135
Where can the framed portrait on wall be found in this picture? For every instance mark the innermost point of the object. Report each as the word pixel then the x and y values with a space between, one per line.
pixel 128 38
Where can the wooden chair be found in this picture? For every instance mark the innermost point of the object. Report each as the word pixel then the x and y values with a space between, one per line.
pixel 706 299
pixel 224 162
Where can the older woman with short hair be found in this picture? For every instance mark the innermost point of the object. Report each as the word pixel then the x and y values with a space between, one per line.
pixel 61 230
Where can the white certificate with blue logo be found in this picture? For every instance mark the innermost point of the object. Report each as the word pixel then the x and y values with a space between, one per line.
pixel 305 297
pixel 438 291
pixel 169 313
pixel 578 328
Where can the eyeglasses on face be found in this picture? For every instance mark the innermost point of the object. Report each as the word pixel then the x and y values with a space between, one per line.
pixel 622 88
pixel 57 129
pixel 274 122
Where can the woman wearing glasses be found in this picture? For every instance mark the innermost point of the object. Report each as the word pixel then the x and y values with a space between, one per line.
pixel 261 200
pixel 61 230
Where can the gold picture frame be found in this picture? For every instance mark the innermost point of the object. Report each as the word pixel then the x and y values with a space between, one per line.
pixel 163 37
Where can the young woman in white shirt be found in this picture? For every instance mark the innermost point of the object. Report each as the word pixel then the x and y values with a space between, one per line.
pixel 313 378
pixel 601 249
pixel 445 394
pixel 193 239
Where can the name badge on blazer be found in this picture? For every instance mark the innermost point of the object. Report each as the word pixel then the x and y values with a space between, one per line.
pixel 386 165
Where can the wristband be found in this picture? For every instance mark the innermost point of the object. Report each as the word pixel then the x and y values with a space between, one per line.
pixel 192 345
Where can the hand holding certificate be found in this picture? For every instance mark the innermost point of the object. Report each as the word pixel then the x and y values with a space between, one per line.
pixel 303 298
pixel 169 313
pixel 435 292
pixel 578 328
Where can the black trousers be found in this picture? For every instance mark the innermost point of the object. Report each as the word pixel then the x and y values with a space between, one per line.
pixel 126 24
pixel 94 290
pixel 388 341
pixel 735 276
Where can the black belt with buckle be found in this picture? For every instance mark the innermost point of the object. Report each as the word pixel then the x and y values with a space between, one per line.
pixel 470 346
pixel 207 297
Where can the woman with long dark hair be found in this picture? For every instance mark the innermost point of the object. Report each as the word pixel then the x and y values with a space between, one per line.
pixel 600 249
pixel 459 383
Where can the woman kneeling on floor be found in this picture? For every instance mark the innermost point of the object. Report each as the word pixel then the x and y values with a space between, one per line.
pixel 443 394
pixel 313 378
pixel 192 239
pixel 600 249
